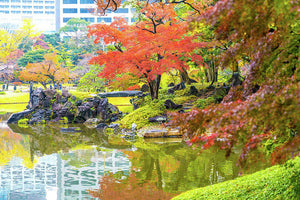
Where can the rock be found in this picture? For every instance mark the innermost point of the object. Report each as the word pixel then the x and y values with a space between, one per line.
pixel 65 93
pixel 71 130
pixel 171 91
pixel 56 106
pixel 64 100
pixel 14 118
pixel 171 105
pixel 155 133
pixel 36 98
pixel 92 121
pixel 179 86
pixel 78 102
pixel 171 84
pixel 50 93
pixel 130 93
pixel 159 119
pixel 73 98
pixel 101 126
pixel 58 98
pixel 145 88
pixel 114 126
pixel 133 126
pixel 193 90
pixel 47 102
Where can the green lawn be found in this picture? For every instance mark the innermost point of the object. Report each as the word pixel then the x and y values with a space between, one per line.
pixel 277 182
pixel 11 97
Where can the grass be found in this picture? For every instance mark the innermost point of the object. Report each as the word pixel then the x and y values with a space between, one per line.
pixel 120 102
pixel 11 97
pixel 277 182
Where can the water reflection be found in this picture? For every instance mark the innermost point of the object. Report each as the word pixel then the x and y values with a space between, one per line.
pixel 40 162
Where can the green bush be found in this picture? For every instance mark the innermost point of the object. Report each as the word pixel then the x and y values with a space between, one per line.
pixel 2 93
pixel 140 116
pixel 202 103
pixel 277 182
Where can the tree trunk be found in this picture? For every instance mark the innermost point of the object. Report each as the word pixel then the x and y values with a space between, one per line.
pixel 211 73
pixel 235 78
pixel 154 87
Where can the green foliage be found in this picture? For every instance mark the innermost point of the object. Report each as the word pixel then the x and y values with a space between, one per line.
pixel 23 121
pixel 2 93
pixel 32 57
pixel 140 116
pixel 277 182
pixel 90 81
pixel 202 103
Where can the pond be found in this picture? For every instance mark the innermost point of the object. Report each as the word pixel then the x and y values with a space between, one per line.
pixel 40 162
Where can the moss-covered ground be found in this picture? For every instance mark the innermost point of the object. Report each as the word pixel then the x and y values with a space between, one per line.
pixel 277 182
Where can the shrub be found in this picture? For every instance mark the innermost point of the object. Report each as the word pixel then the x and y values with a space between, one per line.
pixel 2 93
pixel 202 103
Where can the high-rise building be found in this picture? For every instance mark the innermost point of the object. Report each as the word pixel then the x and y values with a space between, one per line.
pixel 42 12
pixel 85 9
pixel 50 15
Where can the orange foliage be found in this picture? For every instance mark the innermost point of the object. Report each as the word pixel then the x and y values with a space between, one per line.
pixel 49 69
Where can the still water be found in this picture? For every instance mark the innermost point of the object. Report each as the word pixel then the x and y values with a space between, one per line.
pixel 40 162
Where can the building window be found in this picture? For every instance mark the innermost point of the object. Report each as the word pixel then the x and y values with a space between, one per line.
pixel 15 7
pixel 122 10
pixel 27 12
pixel 27 1
pixel 104 19
pixel 49 7
pixel 4 11
pixel 70 10
pixel 38 7
pixel 5 1
pixel 88 19
pixel 49 12
pixel 49 2
pixel 86 1
pixel 15 12
pixel 4 6
pixel 26 7
pixel 38 12
pixel 66 19
pixel 87 10
pixel 69 1
pixel 38 2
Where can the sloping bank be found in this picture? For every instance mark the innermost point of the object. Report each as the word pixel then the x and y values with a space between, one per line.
pixel 277 182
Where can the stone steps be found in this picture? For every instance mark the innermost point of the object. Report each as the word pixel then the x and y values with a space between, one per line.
pixel 162 133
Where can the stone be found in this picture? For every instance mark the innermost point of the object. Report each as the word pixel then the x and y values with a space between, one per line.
pixel 145 88
pixel 14 118
pixel 50 93
pixel 157 133
pixel 65 93
pixel 158 119
pixel 171 84
pixel 193 90
pixel 47 102
pixel 171 91
pixel 101 126
pixel 114 126
pixel 78 102
pixel 71 130
pixel 92 121
pixel 64 100
pixel 56 106
pixel 129 93
pixel 58 98
pixel 73 98
pixel 169 104
pixel 179 86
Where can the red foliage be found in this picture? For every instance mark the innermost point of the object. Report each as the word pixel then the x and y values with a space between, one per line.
pixel 128 189
pixel 134 87
pixel 17 83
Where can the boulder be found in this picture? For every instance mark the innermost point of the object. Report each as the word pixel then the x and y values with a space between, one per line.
pixel 171 84
pixel 65 93
pixel 50 93
pixel 159 119
pixel 169 104
pixel 14 118
pixel 129 93
pixel 145 88
pixel 101 126
pixel 193 90
pixel 92 121
pixel 179 86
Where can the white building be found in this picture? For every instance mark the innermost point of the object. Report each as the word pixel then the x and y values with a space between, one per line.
pixel 84 9
pixel 42 12
pixel 50 15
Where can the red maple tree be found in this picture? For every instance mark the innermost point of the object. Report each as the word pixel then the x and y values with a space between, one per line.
pixel 155 45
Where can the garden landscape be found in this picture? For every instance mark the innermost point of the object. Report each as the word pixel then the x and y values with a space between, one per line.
pixel 189 99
